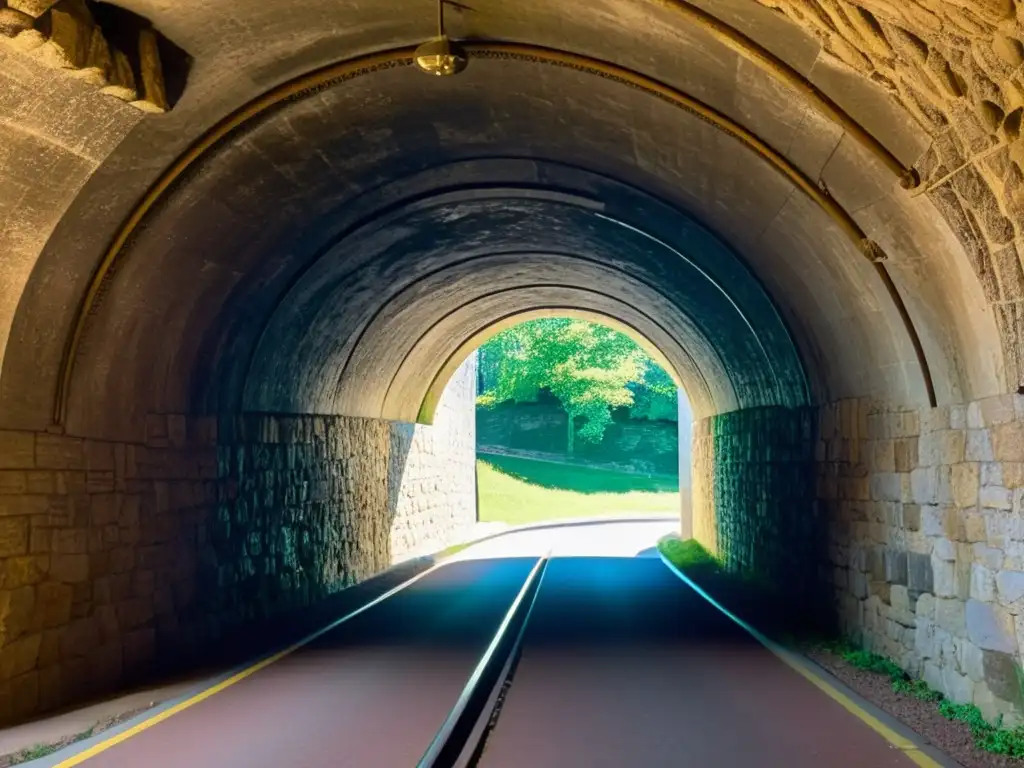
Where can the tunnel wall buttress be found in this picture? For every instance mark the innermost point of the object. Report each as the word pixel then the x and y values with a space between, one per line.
pixel 754 496
pixel 116 557
pixel 924 515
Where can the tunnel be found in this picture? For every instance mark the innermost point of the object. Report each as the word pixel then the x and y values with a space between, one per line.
pixel 237 325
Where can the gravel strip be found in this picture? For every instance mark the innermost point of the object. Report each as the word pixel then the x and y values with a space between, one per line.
pixel 952 737
pixel 17 758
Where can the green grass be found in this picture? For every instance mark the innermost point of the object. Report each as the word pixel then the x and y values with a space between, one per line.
pixel 687 555
pixel 988 737
pixel 42 750
pixel 518 491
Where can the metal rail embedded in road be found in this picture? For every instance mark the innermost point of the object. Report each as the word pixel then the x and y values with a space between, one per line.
pixel 453 739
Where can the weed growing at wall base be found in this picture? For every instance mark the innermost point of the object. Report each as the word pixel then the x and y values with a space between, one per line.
pixel 990 737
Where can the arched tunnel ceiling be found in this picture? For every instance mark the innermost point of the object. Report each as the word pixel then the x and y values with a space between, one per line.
pixel 230 253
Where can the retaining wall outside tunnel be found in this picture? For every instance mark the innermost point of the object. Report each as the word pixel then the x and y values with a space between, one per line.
pixel 815 215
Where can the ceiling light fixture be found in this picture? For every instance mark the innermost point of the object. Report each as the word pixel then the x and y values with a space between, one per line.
pixel 440 56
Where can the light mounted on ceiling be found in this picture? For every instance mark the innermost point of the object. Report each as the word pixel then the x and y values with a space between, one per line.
pixel 440 56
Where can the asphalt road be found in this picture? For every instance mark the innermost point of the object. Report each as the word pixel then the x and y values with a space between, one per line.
pixel 370 694
pixel 623 665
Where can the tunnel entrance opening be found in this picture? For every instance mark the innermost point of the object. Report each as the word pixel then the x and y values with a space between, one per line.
pixel 575 418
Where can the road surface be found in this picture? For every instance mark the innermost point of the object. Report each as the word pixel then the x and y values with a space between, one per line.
pixel 622 666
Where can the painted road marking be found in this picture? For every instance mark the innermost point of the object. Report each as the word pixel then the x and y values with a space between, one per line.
pixel 909 748
pixel 158 718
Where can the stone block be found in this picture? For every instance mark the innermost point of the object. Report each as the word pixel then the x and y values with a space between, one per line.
pixel 1012 474
pixel 885 486
pixel 990 627
pixel 905 454
pixel 997 410
pixel 950 615
pixel 1011 587
pixel 990 557
pixel 70 541
pixel 933 676
pixel 925 484
pixel 59 452
pixel 912 517
pixel 1002 677
pixel 23 571
pixel 925 608
pixel 979 446
pixel 54 604
pixel 933 520
pixel 944 575
pixel 883 455
pixel 966 485
pixel 988 704
pixel 896 567
pixel 934 419
pixel 958 417
pixel 17 450
pixel 972 661
pixel 14 536
pixel 1008 441
pixel 920 576
pixel 943 447
pixel 994 497
pixel 957 687
pixel 70 569
pixel 973 526
pixel 19 657
pixel 983 583
pixel 99 456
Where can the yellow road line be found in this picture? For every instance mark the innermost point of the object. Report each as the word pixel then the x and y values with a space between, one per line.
pixel 158 718
pixel 905 745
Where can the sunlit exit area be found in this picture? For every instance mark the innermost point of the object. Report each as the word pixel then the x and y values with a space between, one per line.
pixel 575 419
pixel 583 384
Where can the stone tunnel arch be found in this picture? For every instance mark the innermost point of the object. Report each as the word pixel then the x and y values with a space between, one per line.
pixel 174 286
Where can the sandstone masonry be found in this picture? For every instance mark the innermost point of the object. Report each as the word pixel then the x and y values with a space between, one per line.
pixel 115 554
pixel 924 511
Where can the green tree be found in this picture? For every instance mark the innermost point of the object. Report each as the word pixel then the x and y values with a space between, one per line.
pixel 590 368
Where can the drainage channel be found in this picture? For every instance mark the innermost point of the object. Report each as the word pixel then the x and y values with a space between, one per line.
pixel 462 738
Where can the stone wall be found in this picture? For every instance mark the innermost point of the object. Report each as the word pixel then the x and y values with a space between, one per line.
pixel 956 67
pixel 927 540
pixel 754 496
pixel 924 516
pixel 115 555
pixel 436 502
pixel 65 35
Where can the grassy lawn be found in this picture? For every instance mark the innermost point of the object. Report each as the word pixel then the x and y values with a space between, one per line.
pixel 517 491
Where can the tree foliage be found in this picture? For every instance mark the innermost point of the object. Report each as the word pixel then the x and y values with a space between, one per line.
pixel 590 368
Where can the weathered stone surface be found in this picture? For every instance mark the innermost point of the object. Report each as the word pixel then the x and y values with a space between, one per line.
pixel 19 657
pixel 1008 441
pixel 920 575
pixel 983 583
pixel 13 22
pixel 965 480
pixel 1002 677
pixel 950 615
pixel 990 627
pixel 14 536
pixel 17 450
pixel 1011 586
